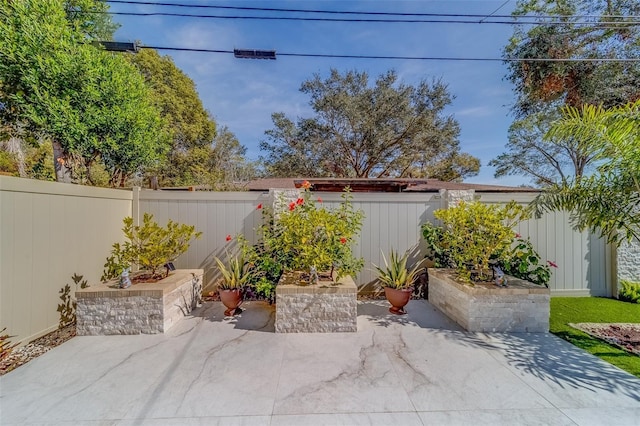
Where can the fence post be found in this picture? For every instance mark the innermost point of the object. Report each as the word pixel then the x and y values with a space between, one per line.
pixel 135 205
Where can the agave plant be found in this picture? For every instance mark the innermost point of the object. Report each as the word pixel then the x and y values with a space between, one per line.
pixel 236 275
pixel 395 273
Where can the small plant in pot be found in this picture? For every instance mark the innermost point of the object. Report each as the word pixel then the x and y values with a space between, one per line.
pixel 398 280
pixel 234 278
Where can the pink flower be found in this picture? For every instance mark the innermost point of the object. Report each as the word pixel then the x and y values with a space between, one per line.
pixel 300 201
pixel 518 235
pixel 306 184
pixel 229 238
pixel 552 264
pixel 343 240
pixel 292 205
pixel 319 199
pixel 259 206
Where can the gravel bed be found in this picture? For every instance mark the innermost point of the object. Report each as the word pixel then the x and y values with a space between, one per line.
pixel 37 347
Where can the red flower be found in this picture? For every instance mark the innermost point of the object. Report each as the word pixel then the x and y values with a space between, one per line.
pixel 300 201
pixel 306 184
pixel 292 205
pixel 518 235
pixel 319 199
pixel 229 237
pixel 259 206
pixel 552 264
pixel 343 240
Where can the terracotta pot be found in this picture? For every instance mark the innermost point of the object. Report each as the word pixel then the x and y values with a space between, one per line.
pixel 232 299
pixel 398 299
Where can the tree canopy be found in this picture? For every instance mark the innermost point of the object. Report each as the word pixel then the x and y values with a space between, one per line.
pixel 542 87
pixel 388 129
pixel 189 126
pixel 93 105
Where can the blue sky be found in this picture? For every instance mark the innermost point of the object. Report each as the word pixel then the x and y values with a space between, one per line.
pixel 242 94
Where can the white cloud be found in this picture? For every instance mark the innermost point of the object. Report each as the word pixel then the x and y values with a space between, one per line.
pixel 481 111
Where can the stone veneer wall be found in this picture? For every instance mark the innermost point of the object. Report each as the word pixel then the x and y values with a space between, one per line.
pixel 145 308
pixel 520 307
pixel 629 261
pixel 316 308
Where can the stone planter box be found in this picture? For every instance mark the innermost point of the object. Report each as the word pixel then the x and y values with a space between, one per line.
pixel 520 307
pixel 320 308
pixel 147 308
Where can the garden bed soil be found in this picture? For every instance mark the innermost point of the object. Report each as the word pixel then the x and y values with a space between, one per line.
pixel 622 335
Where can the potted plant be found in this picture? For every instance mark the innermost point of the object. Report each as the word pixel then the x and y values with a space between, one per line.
pixel 397 280
pixel 234 278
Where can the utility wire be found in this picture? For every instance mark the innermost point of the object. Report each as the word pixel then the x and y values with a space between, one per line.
pixel 602 25
pixel 491 14
pixel 419 58
pixel 351 12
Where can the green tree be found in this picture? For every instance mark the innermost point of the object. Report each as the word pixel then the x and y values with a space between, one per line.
pixel 174 93
pixel 545 160
pixel 608 200
pixel 542 87
pixel 91 18
pixel 388 129
pixel 198 155
pixel 230 161
pixel 93 105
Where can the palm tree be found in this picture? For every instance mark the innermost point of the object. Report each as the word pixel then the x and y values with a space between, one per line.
pixel 607 200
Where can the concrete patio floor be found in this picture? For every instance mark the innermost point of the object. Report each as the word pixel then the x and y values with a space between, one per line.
pixel 420 369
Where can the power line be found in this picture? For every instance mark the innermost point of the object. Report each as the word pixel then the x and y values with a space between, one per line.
pixel 491 14
pixel 351 12
pixel 603 25
pixel 419 58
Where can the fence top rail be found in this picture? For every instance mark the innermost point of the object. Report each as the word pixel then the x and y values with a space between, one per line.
pixel 33 186
pixel 378 197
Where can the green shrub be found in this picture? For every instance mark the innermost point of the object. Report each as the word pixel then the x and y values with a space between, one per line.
pixel 523 261
pixel 302 236
pixel 629 291
pixel 474 233
pixel 149 246
pixel 265 264
pixel 317 237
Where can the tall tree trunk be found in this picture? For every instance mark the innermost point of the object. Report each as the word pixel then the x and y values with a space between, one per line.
pixel 61 163
pixel 15 146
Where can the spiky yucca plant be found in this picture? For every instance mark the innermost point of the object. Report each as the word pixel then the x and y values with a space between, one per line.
pixel 395 273
pixel 236 275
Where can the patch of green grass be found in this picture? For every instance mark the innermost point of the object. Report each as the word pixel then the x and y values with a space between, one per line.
pixel 565 310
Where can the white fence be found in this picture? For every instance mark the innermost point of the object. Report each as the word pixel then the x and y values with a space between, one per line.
pixel 50 231
pixel 392 220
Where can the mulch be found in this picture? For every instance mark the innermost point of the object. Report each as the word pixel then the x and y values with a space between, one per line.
pixel 623 335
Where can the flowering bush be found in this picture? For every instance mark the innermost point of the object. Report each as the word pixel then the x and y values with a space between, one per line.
pixel 317 237
pixel 300 237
